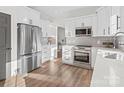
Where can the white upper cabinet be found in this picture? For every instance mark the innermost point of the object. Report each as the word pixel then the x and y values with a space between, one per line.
pixel 94 25
pixel 52 30
pixel 115 20
pixel 48 29
pixel 101 25
pixel 105 19
pixel 79 22
pixel 116 10
pixel 70 28
pixel 71 24
pixel 108 14
pixel 122 18
pixel 87 21
pixel 101 22
pixel 44 26
pixel 27 15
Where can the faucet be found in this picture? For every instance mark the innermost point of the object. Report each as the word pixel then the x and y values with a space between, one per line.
pixel 114 38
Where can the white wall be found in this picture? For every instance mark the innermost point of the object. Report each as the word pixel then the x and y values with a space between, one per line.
pixel 19 14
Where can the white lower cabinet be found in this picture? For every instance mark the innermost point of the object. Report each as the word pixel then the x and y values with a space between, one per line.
pixel 46 53
pixel 93 56
pixel 53 53
pixel 49 53
pixel 67 54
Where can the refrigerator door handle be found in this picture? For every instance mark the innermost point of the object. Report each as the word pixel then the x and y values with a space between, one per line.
pixel 31 35
pixel 8 48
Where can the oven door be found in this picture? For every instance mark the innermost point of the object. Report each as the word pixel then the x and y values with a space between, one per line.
pixel 82 57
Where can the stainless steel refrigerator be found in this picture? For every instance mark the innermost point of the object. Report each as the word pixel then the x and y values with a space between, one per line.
pixel 28 47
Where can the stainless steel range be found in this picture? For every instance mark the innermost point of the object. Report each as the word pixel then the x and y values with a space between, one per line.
pixel 82 56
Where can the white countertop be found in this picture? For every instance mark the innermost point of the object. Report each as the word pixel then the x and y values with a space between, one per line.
pixel 110 49
pixel 107 71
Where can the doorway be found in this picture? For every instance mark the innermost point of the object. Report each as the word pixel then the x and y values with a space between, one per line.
pixel 61 40
pixel 5 46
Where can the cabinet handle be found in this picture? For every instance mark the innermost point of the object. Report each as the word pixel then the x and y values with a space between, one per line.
pixel 118 18
pixel 108 30
pixel 104 31
pixel 8 48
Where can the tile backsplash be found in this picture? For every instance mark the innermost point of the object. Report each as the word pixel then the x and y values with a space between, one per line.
pixel 44 40
pixel 93 41
pixel 48 40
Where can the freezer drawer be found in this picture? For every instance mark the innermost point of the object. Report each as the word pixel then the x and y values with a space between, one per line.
pixel 29 62
pixel 34 61
pixel 22 66
pixel 39 59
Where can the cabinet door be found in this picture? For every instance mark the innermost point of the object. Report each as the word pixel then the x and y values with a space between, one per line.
pixel 79 22
pixel 67 29
pixel 70 28
pixel 116 10
pixel 51 32
pixel 67 57
pixel 94 25
pixel 93 56
pixel 122 18
pixel 44 29
pixel 87 21
pixel 46 54
pixel 67 54
pixel 53 53
pixel 101 22
pixel 107 20
pixel 104 22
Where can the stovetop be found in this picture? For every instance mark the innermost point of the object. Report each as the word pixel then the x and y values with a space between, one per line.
pixel 82 47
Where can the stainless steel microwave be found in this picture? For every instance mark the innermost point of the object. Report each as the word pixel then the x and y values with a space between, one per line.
pixel 83 31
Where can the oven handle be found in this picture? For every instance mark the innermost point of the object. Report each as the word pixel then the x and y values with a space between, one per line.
pixel 82 51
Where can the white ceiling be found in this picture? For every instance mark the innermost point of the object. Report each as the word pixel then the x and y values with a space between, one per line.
pixel 61 12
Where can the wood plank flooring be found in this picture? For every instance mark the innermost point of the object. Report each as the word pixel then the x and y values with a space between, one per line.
pixel 53 74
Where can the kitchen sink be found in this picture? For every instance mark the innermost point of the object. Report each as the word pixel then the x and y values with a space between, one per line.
pixel 111 56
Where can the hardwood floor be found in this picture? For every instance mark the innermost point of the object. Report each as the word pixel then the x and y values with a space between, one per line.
pixel 53 74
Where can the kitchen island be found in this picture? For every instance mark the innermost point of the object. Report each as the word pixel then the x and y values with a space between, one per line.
pixel 109 68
